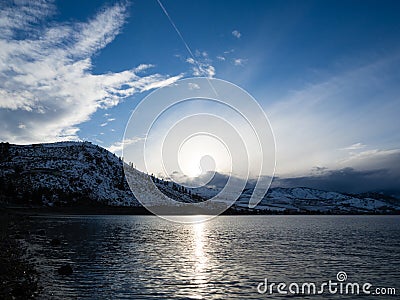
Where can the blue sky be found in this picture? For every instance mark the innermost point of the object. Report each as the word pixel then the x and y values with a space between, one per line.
pixel 325 72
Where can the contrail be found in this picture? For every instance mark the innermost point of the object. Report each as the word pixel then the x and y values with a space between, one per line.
pixel 186 45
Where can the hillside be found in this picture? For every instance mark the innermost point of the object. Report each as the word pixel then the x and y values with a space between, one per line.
pixel 69 173
pixel 63 173
pixel 302 199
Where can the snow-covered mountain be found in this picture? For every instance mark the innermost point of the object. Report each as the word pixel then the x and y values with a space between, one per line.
pixel 72 173
pixel 69 173
pixel 63 173
pixel 302 199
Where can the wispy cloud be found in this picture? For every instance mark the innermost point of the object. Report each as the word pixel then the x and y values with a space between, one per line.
pixel 201 67
pixel 327 117
pixel 236 34
pixel 46 82
pixel 239 61
pixel 193 86
pixel 375 158
pixel 108 121
pixel 118 146
pixel 356 146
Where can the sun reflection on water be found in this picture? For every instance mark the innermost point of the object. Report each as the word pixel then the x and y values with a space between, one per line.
pixel 199 241
pixel 199 258
pixel 195 276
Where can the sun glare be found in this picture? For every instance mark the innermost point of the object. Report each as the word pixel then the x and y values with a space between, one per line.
pixel 203 153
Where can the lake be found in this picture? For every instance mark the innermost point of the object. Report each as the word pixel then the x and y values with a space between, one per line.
pixel 143 257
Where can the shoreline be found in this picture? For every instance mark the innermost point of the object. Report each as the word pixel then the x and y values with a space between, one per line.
pixel 141 211
pixel 19 277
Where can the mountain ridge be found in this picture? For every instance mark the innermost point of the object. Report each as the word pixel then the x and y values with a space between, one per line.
pixel 75 173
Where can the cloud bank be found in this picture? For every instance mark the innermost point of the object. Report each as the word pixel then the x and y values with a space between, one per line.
pixel 366 171
pixel 47 86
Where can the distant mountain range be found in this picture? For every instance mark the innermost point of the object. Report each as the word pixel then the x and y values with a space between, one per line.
pixel 77 173
pixel 302 199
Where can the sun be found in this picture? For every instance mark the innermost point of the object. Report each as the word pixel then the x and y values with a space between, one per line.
pixel 191 168
pixel 202 153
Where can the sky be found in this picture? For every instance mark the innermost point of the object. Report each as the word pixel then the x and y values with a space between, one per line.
pixel 326 74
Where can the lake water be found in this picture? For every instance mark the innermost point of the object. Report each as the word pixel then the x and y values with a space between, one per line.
pixel 142 257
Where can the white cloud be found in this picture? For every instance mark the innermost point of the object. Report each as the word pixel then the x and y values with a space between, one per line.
pixel 193 86
pixel 106 123
pixel 236 34
pixel 373 159
pixel 239 61
pixel 201 67
pixel 209 71
pixel 356 146
pixel 118 146
pixel 143 67
pixel 13 19
pixel 221 58
pixel 46 81
pixel 199 53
